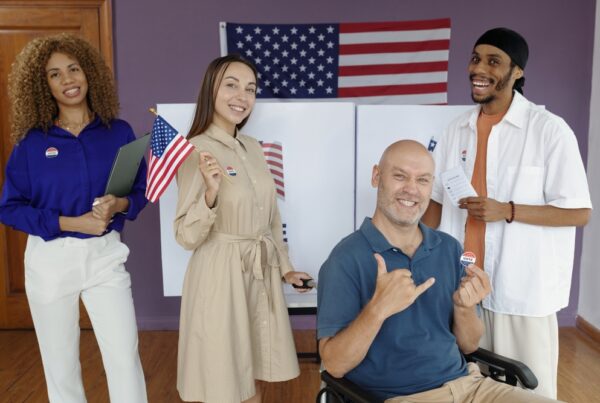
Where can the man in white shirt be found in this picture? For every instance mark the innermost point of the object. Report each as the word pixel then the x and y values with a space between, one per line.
pixel 525 166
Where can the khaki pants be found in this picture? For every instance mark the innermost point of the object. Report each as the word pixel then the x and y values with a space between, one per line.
pixel 531 340
pixel 472 388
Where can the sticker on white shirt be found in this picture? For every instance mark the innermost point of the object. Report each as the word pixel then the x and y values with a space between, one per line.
pixel 432 144
pixel 456 185
pixel 230 171
pixel 51 152
pixel 467 258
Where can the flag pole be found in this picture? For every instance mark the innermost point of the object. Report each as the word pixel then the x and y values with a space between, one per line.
pixel 153 111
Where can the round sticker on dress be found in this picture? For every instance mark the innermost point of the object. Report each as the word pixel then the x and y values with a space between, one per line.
pixel 51 152
pixel 467 258
pixel 231 171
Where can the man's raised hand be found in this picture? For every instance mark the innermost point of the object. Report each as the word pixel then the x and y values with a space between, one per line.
pixel 395 291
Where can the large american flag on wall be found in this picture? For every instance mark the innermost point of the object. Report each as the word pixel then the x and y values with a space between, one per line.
pixel 376 62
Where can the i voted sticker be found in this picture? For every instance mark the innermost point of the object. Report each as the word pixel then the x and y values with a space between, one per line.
pixel 467 258
pixel 230 171
pixel 51 152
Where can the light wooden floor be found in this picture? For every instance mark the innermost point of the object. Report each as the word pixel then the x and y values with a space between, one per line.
pixel 22 379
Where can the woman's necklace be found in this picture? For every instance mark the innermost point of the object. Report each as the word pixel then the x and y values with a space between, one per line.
pixel 74 127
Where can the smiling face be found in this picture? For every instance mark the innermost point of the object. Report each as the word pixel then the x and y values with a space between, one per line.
pixel 67 81
pixel 492 75
pixel 235 96
pixel 404 180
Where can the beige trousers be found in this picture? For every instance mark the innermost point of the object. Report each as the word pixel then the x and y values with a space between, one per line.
pixel 531 340
pixel 473 388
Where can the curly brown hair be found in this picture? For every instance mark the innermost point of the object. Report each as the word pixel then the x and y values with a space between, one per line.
pixel 32 103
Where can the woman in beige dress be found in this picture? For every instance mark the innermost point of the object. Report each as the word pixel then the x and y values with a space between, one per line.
pixel 234 329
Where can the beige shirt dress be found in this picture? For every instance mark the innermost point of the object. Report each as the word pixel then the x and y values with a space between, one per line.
pixel 234 325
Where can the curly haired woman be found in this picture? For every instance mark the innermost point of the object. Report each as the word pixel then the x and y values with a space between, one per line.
pixel 64 124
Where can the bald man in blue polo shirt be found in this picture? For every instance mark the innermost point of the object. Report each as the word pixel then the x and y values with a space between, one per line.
pixel 396 309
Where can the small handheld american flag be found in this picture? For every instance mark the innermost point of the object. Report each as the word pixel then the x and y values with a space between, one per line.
pixel 168 150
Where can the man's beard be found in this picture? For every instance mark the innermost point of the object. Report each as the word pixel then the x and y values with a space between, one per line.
pixel 499 87
pixel 385 205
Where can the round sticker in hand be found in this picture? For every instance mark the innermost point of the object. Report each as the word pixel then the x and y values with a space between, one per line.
pixel 467 258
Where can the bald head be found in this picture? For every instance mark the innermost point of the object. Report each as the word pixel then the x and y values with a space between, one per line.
pixel 404 179
pixel 405 149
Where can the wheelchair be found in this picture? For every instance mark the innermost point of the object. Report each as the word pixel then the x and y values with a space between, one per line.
pixel 499 368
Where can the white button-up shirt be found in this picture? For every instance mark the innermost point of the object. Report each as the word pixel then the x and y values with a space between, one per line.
pixel 533 159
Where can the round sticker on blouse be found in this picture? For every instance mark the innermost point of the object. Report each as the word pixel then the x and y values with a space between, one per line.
pixel 51 152
pixel 231 171
pixel 467 258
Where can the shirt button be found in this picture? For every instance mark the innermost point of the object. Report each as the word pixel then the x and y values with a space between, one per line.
pixel 260 208
pixel 395 250
pixel 244 158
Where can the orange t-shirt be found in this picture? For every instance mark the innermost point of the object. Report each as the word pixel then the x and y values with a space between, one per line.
pixel 475 229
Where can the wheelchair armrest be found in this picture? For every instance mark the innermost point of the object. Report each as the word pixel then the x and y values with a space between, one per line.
pixel 348 389
pixel 498 364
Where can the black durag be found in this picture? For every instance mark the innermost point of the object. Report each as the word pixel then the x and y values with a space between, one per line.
pixel 513 44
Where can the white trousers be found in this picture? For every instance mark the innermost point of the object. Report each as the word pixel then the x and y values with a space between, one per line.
pixel 57 273
pixel 531 340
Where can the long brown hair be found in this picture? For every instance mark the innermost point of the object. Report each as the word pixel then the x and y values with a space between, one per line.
pixel 205 105
pixel 32 103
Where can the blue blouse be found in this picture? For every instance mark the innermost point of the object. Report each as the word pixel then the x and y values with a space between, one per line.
pixel 58 174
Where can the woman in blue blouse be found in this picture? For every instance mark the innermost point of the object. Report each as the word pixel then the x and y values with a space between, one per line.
pixel 66 134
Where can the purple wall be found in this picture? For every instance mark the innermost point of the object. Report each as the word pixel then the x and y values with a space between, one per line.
pixel 162 48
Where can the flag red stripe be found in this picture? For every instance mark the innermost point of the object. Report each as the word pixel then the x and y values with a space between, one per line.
pixel 382 90
pixel 278 182
pixel 348 28
pixel 405 68
pixel 280 192
pixel 273 155
pixel 275 163
pixel 394 47
pixel 278 173
pixel 272 145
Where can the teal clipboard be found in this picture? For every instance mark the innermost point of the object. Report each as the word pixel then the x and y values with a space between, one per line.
pixel 125 167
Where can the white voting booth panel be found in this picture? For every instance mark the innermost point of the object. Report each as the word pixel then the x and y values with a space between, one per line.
pixel 323 201
pixel 318 159
pixel 378 126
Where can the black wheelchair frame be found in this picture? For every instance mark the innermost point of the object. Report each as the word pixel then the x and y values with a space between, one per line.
pixel 497 367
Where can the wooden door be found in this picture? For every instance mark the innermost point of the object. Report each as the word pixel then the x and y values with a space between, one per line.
pixel 21 21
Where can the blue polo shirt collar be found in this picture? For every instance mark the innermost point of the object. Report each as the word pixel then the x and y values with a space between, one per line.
pixel 380 244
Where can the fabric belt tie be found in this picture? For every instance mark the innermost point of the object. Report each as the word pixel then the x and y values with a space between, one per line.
pixel 253 256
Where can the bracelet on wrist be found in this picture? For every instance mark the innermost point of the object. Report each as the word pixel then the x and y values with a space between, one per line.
pixel 512 212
